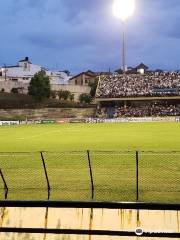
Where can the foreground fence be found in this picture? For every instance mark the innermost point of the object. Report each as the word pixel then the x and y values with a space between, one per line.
pixel 87 175
pixel 89 219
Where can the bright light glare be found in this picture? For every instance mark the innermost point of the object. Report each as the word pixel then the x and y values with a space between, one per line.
pixel 123 8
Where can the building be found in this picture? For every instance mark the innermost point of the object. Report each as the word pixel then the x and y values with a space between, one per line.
pixel 25 70
pixel 141 68
pixel 83 78
pixel 19 76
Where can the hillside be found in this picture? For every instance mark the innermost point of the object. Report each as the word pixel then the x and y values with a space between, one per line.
pixel 21 101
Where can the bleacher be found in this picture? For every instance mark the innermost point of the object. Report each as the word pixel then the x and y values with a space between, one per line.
pixel 136 85
pixel 136 95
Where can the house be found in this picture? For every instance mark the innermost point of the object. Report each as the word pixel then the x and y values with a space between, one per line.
pixel 25 70
pixel 130 70
pixel 141 68
pixel 19 76
pixel 83 78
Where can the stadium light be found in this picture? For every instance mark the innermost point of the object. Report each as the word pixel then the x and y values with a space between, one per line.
pixel 123 9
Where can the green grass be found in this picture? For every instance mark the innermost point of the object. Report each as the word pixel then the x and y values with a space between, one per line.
pixel 123 136
pixel 114 173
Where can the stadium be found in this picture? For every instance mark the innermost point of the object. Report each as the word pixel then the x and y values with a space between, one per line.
pixel 126 152
pixel 151 95
pixel 94 155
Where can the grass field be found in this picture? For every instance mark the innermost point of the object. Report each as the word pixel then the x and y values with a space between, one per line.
pixel 123 136
pixel 114 173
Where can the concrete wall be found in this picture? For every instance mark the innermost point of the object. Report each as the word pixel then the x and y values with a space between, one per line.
pixel 8 85
pixel 75 89
pixel 47 113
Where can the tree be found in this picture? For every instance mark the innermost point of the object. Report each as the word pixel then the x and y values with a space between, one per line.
pixel 85 98
pixel 93 86
pixel 71 97
pixel 39 86
pixel 64 94
pixel 60 94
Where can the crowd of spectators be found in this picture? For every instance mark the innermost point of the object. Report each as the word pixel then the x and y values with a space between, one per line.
pixel 147 111
pixel 142 111
pixel 136 85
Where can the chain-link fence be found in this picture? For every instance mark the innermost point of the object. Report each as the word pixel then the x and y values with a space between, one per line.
pixel 159 176
pixel 91 175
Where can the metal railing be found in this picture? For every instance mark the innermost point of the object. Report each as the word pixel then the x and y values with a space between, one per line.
pixel 91 205
pixel 138 232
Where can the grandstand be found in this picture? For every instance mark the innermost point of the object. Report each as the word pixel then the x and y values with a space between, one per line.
pixel 135 95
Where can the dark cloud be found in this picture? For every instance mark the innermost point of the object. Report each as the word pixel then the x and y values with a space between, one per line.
pixel 80 34
pixel 56 40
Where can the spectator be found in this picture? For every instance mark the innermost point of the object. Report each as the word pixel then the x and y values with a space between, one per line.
pixel 151 85
pixel 151 110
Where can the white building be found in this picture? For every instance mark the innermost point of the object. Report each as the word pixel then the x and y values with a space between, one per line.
pixel 25 70
pixel 19 77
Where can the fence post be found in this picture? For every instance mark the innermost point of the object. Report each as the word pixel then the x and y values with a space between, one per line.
pixel 5 184
pixel 91 176
pixel 137 176
pixel 46 175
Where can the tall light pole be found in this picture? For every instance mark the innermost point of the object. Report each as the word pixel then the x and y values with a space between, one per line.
pixel 123 9
pixel 123 48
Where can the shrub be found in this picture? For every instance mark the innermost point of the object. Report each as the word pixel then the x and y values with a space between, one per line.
pixel 85 98
pixel 14 90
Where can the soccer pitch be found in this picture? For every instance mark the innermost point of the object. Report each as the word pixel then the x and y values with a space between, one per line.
pixel 114 172
pixel 74 137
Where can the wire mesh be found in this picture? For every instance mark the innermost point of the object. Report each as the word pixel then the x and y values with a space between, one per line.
pixel 114 175
pixel 68 175
pixel 109 175
pixel 23 174
pixel 159 176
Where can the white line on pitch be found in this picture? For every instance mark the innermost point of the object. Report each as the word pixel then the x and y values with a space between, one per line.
pixel 38 135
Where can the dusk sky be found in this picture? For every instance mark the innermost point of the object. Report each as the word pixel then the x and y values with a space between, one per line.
pixel 78 35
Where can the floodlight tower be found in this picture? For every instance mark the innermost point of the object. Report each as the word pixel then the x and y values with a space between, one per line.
pixel 123 9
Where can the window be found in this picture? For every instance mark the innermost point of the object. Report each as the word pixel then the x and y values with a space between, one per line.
pixel 25 66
